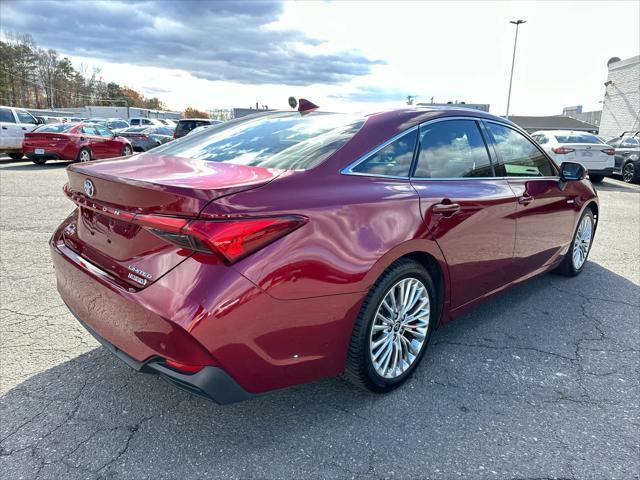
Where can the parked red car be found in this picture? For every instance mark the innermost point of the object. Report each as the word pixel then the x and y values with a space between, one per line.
pixel 81 142
pixel 285 247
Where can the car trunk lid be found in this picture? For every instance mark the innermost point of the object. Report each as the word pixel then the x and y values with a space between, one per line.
pixel 115 196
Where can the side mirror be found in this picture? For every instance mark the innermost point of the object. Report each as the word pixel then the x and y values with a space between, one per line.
pixel 572 171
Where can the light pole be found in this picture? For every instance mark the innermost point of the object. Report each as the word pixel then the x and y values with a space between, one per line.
pixel 517 23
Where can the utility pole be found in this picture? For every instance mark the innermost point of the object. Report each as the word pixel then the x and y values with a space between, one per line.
pixel 517 23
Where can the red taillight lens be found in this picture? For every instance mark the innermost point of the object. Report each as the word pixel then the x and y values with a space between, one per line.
pixel 174 134
pixel 231 239
pixel 609 151
pixel 183 367
pixel 563 150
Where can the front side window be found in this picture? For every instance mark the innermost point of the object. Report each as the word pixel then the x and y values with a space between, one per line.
pixel 629 142
pixel 452 149
pixel 393 160
pixel 6 116
pixel 287 141
pixel 24 117
pixel 103 132
pixel 519 157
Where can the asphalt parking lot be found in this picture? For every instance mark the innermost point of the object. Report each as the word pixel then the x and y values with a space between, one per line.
pixel 540 383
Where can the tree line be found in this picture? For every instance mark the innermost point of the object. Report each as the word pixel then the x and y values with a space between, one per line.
pixel 33 77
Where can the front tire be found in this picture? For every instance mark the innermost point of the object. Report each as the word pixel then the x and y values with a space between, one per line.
pixel 576 258
pixel 39 161
pixel 630 173
pixel 393 328
pixel 16 155
pixel 127 151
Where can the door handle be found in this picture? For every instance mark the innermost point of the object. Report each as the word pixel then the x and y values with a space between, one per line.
pixel 525 199
pixel 446 208
pixel 4 128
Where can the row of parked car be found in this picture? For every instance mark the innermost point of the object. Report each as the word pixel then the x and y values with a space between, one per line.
pixel 620 155
pixel 84 139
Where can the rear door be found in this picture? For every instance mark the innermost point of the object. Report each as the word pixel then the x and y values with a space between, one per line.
pixel 94 141
pixel 470 213
pixel 10 132
pixel 546 213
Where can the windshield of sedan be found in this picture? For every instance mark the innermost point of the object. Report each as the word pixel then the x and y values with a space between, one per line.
pixel 55 128
pixel 288 140
pixel 578 138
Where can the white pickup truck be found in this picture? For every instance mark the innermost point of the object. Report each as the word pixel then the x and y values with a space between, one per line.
pixel 14 123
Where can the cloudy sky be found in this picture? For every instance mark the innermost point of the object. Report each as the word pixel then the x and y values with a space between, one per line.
pixel 341 55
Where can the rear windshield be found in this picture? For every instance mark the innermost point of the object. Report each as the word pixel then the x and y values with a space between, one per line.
pixel 289 141
pixel 578 138
pixel 55 128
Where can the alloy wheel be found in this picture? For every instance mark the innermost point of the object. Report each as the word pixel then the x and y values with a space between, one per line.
pixel 127 150
pixel 628 172
pixel 582 242
pixel 400 327
pixel 85 156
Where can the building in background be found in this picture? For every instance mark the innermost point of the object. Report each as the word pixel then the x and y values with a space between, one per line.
pixel 621 106
pixel 552 122
pixel 593 117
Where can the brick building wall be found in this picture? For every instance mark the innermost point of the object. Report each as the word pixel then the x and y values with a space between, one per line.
pixel 621 107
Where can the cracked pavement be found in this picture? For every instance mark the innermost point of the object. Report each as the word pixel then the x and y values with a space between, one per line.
pixel 542 382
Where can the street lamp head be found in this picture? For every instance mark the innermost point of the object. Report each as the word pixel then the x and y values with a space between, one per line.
pixel 518 22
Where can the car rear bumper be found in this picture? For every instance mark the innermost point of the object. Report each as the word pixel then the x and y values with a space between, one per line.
pixel 46 156
pixel 211 382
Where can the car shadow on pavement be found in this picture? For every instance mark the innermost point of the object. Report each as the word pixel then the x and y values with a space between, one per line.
pixel 28 165
pixel 512 359
pixel 617 185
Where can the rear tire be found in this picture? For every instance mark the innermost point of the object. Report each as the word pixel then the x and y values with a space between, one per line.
pixel 16 155
pixel 84 155
pixel 576 258
pixel 630 172
pixel 366 365
pixel 39 161
pixel 596 178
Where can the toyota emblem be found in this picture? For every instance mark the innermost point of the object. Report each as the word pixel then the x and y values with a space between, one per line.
pixel 88 188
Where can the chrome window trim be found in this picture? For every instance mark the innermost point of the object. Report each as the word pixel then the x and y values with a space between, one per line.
pixel 348 169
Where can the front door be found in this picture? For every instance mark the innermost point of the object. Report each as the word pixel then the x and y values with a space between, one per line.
pixel 470 213
pixel 547 211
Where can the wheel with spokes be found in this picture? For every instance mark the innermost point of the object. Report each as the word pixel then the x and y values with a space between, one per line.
pixel 127 151
pixel 629 172
pixel 84 155
pixel 580 247
pixel 393 328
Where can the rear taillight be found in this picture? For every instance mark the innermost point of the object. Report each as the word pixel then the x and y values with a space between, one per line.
pixel 174 134
pixel 563 150
pixel 609 151
pixel 183 367
pixel 231 239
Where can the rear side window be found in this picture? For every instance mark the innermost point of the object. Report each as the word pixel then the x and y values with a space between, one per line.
pixel 519 157
pixel 89 130
pixel 577 138
pixel 6 116
pixel 287 141
pixel 452 149
pixel 629 142
pixel 393 160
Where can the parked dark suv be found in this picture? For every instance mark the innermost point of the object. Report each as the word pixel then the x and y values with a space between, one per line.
pixel 627 156
pixel 185 125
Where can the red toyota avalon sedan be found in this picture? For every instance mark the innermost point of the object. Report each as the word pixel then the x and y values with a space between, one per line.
pixel 81 142
pixel 285 247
